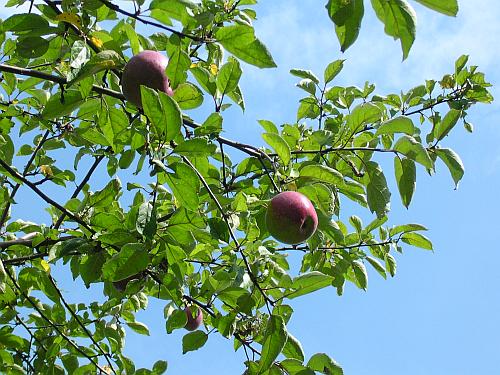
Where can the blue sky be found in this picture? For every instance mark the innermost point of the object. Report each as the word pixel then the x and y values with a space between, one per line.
pixel 439 315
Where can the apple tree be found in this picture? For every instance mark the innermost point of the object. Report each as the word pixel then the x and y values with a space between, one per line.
pixel 186 221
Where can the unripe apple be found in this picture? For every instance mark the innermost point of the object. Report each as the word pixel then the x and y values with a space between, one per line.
pixel 146 68
pixel 291 217
pixel 193 322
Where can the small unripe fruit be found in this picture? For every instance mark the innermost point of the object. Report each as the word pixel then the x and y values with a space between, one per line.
pixel 193 322
pixel 291 217
pixel 146 68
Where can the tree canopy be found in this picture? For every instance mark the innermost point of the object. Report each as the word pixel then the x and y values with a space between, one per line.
pixel 193 232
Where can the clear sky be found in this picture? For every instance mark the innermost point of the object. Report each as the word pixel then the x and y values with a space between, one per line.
pixel 440 314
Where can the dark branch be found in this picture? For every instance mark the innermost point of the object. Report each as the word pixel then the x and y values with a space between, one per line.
pixel 135 16
pixel 42 195
pixel 80 323
pixel 53 326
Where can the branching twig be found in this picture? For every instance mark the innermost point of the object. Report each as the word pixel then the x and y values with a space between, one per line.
pixel 56 79
pixel 18 185
pixel 135 16
pixel 226 220
pixel 42 195
pixel 54 326
pixel 79 188
pixel 80 323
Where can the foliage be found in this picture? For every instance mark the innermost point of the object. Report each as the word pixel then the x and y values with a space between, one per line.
pixel 194 233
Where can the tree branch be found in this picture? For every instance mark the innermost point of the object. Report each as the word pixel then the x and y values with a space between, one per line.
pixel 80 187
pixel 44 196
pixel 53 326
pixel 56 79
pixel 18 185
pixel 135 16
pixel 226 220
pixel 80 323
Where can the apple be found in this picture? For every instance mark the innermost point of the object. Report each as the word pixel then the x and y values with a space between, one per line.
pixel 291 217
pixel 146 68
pixel 193 322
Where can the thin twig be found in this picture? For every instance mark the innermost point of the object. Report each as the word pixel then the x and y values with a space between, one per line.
pixel 79 188
pixel 42 195
pixel 135 16
pixel 226 220
pixel 54 326
pixel 80 323
pixel 18 185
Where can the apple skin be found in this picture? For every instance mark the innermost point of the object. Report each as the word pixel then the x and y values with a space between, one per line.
pixel 193 322
pixel 291 217
pixel 146 68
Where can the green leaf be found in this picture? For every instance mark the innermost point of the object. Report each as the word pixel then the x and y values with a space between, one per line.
pixel 268 126
pixel 193 341
pixel 139 328
pixel 448 7
pixel 177 67
pixel 305 74
pixel 131 260
pixel 308 283
pixel 417 239
pixel 414 150
pixel 406 228
pixel 308 108
pixel 104 60
pixel 279 145
pixel 399 19
pixel 163 112
pixel 160 367
pixel 184 185
pixel 176 9
pixel 400 124
pixel 322 173
pixel 363 114
pixel 275 337
pixel 188 96
pixel 31 47
pixel 12 341
pixel 332 70
pixel 228 76
pixel 213 124
pixel 447 123
pixel 308 86
pixel 406 176
pixel 178 319
pixel 453 162
pixel 348 25
pixel 377 266
pixel 360 274
pixel 378 194
pixel 293 348
pixel 390 264
pixel 24 22
pixel 205 79
pixel 196 147
pixel 242 43
pixel 322 363
pixel 62 104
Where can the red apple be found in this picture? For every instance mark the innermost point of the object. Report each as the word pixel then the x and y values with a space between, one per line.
pixel 146 68
pixel 193 322
pixel 291 217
